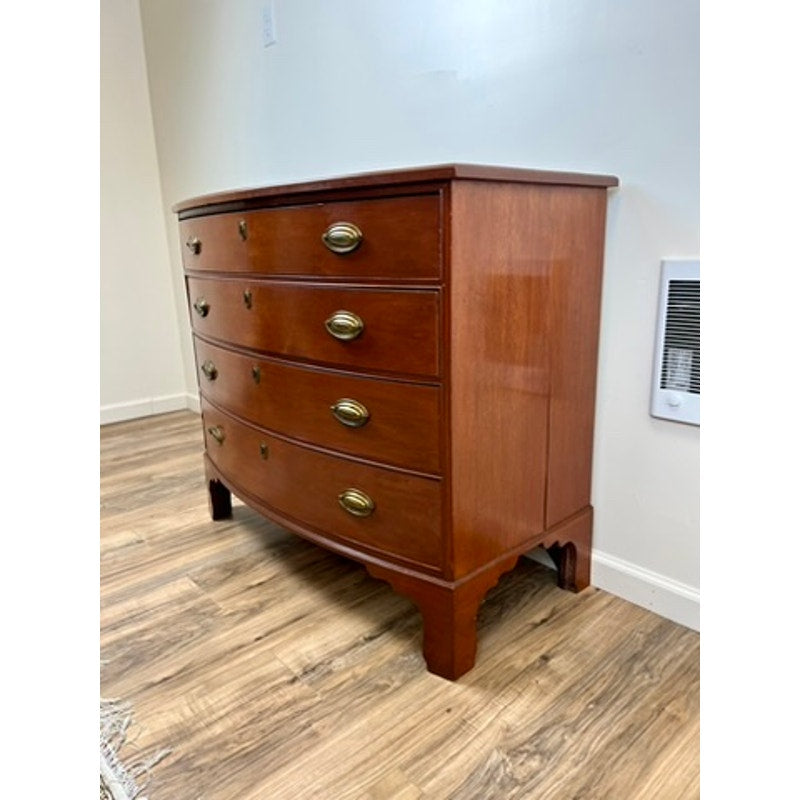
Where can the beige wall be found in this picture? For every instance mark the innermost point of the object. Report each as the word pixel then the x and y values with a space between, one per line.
pixel 141 366
pixel 589 85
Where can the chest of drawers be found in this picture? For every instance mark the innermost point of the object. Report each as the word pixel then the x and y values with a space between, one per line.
pixel 400 367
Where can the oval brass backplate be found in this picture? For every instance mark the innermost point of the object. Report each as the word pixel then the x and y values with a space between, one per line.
pixel 218 433
pixel 350 412
pixel 344 325
pixel 209 370
pixel 342 237
pixel 356 502
pixel 201 306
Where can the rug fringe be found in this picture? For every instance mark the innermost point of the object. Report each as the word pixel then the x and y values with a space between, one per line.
pixel 124 782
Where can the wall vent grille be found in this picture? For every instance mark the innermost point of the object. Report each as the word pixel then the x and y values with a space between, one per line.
pixel 676 368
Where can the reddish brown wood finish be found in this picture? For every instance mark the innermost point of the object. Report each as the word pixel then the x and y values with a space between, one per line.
pixel 524 303
pixel 305 485
pixel 499 377
pixel 449 613
pixel 575 241
pixel 401 327
pixel 392 181
pixel 403 425
pixel 570 545
pixel 401 240
pixel 477 364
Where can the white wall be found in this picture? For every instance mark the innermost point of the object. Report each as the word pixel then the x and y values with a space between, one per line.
pixel 141 366
pixel 589 85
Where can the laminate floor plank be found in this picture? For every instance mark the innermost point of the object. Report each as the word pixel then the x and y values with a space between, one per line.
pixel 273 669
pixel 587 741
pixel 543 679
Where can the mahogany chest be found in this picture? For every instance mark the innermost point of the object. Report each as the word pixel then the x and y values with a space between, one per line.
pixel 400 367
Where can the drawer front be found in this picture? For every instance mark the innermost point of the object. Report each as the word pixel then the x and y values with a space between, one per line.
pixel 393 238
pixel 405 518
pixel 389 421
pixel 396 331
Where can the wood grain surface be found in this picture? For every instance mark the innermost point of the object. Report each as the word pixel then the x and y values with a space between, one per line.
pixel 397 181
pixel 403 425
pixel 401 327
pixel 304 485
pixel 524 308
pixel 275 669
pixel 401 240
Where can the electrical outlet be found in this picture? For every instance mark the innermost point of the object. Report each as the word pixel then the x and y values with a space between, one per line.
pixel 268 25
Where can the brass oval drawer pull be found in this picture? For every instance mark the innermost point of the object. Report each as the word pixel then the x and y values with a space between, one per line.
pixel 344 325
pixel 242 230
pixel 194 245
pixel 201 306
pixel 356 502
pixel 218 433
pixel 247 298
pixel 350 412
pixel 209 370
pixel 342 237
pixel 255 372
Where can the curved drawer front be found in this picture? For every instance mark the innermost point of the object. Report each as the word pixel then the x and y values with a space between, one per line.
pixel 392 238
pixel 398 333
pixel 387 421
pixel 405 517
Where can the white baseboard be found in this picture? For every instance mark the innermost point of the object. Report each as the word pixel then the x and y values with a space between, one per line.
pixel 146 407
pixel 643 587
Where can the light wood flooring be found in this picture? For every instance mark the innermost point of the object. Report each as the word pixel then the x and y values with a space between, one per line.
pixel 274 669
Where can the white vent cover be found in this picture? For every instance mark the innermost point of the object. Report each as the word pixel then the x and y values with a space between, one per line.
pixel 676 366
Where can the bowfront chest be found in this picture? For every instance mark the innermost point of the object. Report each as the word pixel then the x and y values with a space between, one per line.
pixel 400 367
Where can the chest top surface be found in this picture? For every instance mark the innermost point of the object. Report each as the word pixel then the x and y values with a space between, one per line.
pixel 242 198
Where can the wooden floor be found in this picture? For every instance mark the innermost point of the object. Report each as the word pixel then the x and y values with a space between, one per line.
pixel 274 669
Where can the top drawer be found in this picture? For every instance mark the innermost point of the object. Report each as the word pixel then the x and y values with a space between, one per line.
pixel 394 238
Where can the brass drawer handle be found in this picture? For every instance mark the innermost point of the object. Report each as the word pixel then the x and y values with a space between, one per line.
pixel 342 237
pixel 255 372
pixel 243 230
pixel 201 306
pixel 344 325
pixel 194 245
pixel 218 433
pixel 209 370
pixel 247 298
pixel 356 502
pixel 350 412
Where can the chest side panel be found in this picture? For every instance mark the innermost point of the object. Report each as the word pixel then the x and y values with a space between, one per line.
pixel 499 373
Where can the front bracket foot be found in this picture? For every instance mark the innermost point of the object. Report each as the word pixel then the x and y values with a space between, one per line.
pixel 219 500
pixel 449 613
